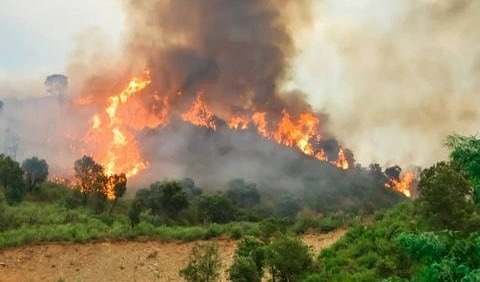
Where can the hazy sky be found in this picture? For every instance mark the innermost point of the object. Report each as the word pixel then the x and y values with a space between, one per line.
pixel 37 37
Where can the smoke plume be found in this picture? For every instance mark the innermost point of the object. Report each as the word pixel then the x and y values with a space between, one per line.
pixel 396 76
pixel 236 53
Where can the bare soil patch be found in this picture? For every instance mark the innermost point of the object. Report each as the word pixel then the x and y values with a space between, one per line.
pixel 116 261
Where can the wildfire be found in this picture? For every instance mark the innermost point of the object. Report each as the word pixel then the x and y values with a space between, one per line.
pixel 404 184
pixel 112 130
pixel 116 146
pixel 200 115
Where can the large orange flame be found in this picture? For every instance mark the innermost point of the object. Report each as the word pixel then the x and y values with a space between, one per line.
pixel 200 115
pixel 116 148
pixel 112 130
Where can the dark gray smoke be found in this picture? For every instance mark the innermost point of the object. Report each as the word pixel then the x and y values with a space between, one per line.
pixel 236 53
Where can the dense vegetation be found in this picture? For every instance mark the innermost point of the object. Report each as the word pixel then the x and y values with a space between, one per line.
pixel 91 207
pixel 433 238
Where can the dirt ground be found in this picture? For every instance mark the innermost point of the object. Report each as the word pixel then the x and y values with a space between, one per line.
pixel 116 261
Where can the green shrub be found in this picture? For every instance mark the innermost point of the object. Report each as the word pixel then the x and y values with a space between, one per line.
pixel 213 231
pixel 235 233
pixel 289 258
pixel 243 269
pixel 203 264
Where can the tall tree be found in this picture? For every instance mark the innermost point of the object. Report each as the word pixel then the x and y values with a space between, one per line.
pixel 89 177
pixel 36 172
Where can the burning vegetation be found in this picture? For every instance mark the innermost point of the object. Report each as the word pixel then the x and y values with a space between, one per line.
pixel 201 94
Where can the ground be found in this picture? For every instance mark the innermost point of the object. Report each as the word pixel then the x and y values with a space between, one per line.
pixel 116 261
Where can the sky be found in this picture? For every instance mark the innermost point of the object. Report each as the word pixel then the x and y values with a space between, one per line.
pixel 37 37
pixel 386 72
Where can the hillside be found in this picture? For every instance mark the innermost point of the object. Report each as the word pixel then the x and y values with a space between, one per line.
pixel 116 261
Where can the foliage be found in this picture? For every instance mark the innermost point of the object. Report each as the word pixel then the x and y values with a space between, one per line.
pixel 465 157
pixel 443 256
pixel 11 180
pixel 216 208
pixel 270 227
pixel 36 172
pixel 29 223
pixel 243 269
pixel 288 206
pixel 203 264
pixel 134 213
pixel 173 198
pixel 289 258
pixel 444 197
pixel 253 248
pixel 242 194
pixel 369 253
pixel 166 198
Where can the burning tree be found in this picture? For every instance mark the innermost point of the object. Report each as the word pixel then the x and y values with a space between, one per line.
pixel 89 177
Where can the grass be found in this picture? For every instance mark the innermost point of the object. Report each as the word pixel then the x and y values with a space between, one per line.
pixel 33 223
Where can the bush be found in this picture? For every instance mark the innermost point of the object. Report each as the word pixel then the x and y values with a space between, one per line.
pixel 235 233
pixel 243 269
pixel 255 249
pixel 213 231
pixel 203 264
pixel 288 258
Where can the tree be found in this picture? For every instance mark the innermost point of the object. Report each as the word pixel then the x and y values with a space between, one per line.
pixel 288 258
pixel 116 186
pixel 189 185
pixel 243 195
pixel 36 172
pixel 465 157
pixel 253 248
pixel 173 198
pixel 166 198
pixel 11 180
pixel 216 208
pixel 243 269
pixel 288 206
pixel 56 84
pixel 89 177
pixel 393 172
pixel 203 264
pixel 445 197
pixel 134 213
